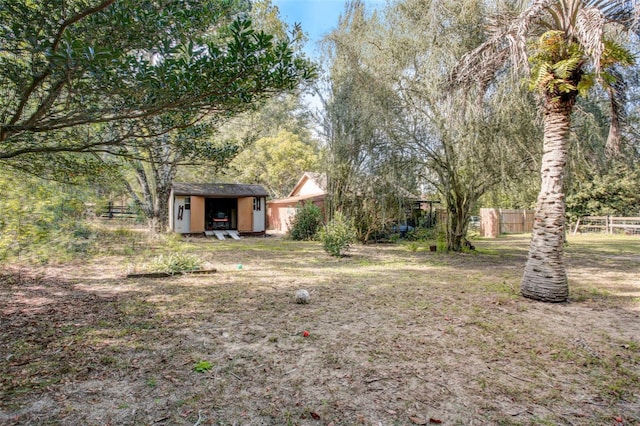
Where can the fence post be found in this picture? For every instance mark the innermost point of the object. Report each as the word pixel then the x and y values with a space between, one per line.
pixel 575 231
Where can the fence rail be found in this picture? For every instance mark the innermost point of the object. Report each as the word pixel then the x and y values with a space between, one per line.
pixel 113 211
pixel 608 224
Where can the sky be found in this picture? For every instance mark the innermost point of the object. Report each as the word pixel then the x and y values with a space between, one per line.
pixel 317 17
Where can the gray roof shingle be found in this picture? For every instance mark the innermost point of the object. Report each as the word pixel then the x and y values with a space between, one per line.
pixel 221 190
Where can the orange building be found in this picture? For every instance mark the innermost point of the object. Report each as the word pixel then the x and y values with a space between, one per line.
pixel 312 187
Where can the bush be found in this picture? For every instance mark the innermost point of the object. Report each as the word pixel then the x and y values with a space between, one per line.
pixel 422 234
pixel 306 222
pixel 176 263
pixel 338 235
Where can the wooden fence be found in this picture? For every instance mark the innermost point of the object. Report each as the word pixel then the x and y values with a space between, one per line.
pixel 608 225
pixel 113 211
pixel 494 222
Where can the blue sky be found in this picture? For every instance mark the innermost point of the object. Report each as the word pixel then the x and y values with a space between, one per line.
pixel 317 17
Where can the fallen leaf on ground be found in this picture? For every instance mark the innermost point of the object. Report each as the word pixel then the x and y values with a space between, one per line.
pixel 418 421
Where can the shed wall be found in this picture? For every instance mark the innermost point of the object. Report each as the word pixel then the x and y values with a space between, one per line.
pixel 197 214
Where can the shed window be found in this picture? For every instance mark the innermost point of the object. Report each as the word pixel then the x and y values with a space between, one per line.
pixel 257 205
pixel 187 203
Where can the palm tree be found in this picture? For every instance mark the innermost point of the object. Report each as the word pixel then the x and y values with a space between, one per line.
pixel 570 47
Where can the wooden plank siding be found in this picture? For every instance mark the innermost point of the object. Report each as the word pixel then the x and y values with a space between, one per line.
pixel 197 215
pixel 494 222
pixel 516 221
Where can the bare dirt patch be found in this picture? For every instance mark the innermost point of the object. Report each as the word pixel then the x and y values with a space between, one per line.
pixel 394 338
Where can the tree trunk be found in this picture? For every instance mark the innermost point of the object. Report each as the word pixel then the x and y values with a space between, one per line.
pixel 545 278
pixel 160 220
pixel 457 228
pixel 460 199
pixel 612 147
pixel 163 170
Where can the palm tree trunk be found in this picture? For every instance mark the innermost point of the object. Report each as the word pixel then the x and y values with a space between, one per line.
pixel 545 277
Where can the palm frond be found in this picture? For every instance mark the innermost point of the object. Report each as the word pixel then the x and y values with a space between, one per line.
pixel 582 20
pixel 624 12
pixel 562 86
pixel 589 28
pixel 506 42
pixel 563 69
pixel 616 54
pixel 540 76
pixel 586 83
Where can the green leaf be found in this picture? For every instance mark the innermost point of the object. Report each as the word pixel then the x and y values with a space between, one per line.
pixel 202 366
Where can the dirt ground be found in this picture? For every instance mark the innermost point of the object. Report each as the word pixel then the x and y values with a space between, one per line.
pixel 395 337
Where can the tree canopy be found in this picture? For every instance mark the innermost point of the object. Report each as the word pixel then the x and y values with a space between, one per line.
pixel 393 125
pixel 276 162
pixel 87 76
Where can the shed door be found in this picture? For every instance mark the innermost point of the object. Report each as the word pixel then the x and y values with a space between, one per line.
pixel 182 214
pixel 245 214
pixel 258 214
pixel 196 215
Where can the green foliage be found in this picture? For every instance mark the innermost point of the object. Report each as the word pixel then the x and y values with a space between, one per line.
pixel 41 221
pixel 388 144
pixel 135 79
pixel 374 210
pixel 276 162
pixel 422 234
pixel 176 263
pixel 306 222
pixel 202 366
pixel 441 241
pixel 614 193
pixel 558 64
pixel 556 61
pixel 337 235
pixel 412 246
pixel 79 78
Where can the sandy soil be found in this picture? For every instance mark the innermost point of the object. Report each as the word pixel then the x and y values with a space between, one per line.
pixel 394 338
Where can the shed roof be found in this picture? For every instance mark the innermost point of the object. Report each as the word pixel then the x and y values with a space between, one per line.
pixel 221 190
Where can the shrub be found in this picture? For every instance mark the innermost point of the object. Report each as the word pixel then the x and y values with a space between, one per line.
pixel 413 246
pixel 338 235
pixel 306 222
pixel 422 234
pixel 176 263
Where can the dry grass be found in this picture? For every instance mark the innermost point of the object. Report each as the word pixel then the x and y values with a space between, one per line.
pixel 396 337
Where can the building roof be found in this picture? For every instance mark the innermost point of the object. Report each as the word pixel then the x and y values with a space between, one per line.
pixel 220 190
pixel 318 179
pixel 297 199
